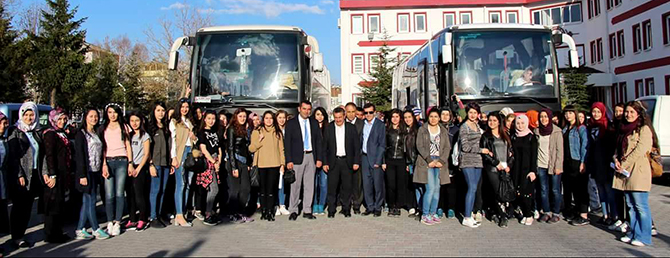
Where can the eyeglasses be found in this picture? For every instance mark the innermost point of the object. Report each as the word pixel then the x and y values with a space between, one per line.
pixel 369 112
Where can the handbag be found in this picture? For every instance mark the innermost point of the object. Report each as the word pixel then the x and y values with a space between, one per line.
pixel 506 189
pixel 655 162
pixel 289 176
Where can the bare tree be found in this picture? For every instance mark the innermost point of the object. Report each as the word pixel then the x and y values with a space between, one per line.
pixel 28 20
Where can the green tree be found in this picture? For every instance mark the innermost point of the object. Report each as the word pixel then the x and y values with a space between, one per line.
pixel 576 91
pixel 12 64
pixel 135 97
pixel 102 79
pixel 57 63
pixel 378 89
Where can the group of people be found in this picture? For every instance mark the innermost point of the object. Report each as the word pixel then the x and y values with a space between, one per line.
pixel 501 165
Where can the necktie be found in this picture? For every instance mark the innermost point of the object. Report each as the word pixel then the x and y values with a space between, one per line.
pixel 306 138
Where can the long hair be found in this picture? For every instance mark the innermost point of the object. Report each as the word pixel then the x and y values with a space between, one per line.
pixel 501 127
pixel 106 121
pixel 415 124
pixel 141 129
pixel 84 125
pixel 642 120
pixel 203 124
pixel 275 124
pixel 281 111
pixel 176 115
pixel 239 129
pixel 571 108
pixel 402 128
pixel 152 127
pixel 324 113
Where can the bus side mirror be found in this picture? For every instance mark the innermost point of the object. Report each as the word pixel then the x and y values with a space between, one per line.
pixel 568 40
pixel 174 52
pixel 447 57
pixel 317 62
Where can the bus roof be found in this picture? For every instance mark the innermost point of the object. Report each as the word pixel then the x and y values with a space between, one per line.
pixel 251 28
pixel 479 26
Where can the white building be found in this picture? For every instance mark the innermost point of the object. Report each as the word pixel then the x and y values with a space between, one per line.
pixel 629 42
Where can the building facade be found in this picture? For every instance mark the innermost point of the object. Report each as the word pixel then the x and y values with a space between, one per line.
pixel 626 43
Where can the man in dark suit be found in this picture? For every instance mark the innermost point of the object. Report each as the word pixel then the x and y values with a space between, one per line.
pixel 343 157
pixel 303 150
pixel 357 184
pixel 373 140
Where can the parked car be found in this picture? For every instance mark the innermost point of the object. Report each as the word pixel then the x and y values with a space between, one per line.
pixel 11 110
pixel 658 108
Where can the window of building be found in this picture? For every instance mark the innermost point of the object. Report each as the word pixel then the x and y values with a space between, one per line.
pixel 622 43
pixel 374 62
pixel 623 92
pixel 466 18
pixel 592 47
pixel 374 23
pixel 494 17
pixel 637 38
pixel 599 45
pixel 449 19
pixel 403 23
pixel 357 24
pixel 612 3
pixel 639 88
pixel 420 22
pixel 666 28
pixel 358 63
pixel 646 35
pixel 667 84
pixel 512 17
pixel 594 8
pixel 558 15
pixel 612 46
pixel 649 85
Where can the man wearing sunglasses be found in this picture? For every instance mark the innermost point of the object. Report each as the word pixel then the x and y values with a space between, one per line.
pixel 374 142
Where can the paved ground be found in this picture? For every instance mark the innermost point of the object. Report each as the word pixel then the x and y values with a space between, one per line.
pixel 367 236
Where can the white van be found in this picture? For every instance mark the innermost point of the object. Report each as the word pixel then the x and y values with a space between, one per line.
pixel 658 108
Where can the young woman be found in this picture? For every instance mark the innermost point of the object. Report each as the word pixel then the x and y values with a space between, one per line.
pixel 471 160
pixel 620 225
pixel 575 178
pixel 25 169
pixel 137 176
pixel 283 188
pixel 413 201
pixel 116 165
pixel 88 159
pixel 509 124
pixel 267 144
pixel 321 178
pixel 549 166
pixel 533 118
pixel 448 192
pixel 582 118
pixel 58 157
pixel 433 147
pixel 524 147
pixel 208 142
pixel 498 161
pixel 635 139
pixel 395 164
pixel 182 140
pixel 255 121
pixel 600 148
pixel 240 161
pixel 159 162
pixel 4 216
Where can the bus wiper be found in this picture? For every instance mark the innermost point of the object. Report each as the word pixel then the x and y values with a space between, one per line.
pixel 534 100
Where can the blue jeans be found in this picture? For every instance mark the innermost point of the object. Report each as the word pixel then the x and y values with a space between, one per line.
pixel 607 199
pixel 320 187
pixel 432 196
pixel 594 199
pixel 115 188
pixel 180 188
pixel 544 178
pixel 87 213
pixel 158 184
pixel 281 194
pixel 472 177
pixel 419 189
pixel 640 216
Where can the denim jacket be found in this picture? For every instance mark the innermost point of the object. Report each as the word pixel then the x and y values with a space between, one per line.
pixel 578 142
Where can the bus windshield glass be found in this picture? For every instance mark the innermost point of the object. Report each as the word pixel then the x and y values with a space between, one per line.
pixel 248 66
pixel 503 63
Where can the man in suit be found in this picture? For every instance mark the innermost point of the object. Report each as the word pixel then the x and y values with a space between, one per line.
pixel 357 184
pixel 373 140
pixel 303 152
pixel 343 157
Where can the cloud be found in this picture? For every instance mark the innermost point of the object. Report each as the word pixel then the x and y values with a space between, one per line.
pixel 176 5
pixel 327 2
pixel 268 8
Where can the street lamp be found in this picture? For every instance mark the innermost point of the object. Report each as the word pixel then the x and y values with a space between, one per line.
pixel 124 97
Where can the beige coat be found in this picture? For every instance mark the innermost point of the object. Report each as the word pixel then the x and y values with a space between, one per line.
pixel 268 153
pixel 636 162
pixel 423 148
pixel 555 149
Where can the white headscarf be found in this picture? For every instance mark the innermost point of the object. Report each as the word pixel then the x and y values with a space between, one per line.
pixel 27 106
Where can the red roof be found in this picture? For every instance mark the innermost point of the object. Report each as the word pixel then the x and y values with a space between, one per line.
pixel 382 4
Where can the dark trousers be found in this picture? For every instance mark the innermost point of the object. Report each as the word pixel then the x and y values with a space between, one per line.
pixel 4 217
pixel 53 226
pixel 397 178
pixel 138 200
pixel 22 206
pixel 478 195
pixel 621 204
pixel 240 189
pixel 448 195
pixel 269 184
pixel 373 185
pixel 575 188
pixel 357 195
pixel 493 179
pixel 339 175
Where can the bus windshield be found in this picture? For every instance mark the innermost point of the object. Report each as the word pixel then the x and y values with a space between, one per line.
pixel 248 66
pixel 503 63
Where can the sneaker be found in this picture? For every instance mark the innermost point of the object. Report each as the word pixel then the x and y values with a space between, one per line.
pixel 637 243
pixel 246 219
pixel 615 225
pixel 427 220
pixel 277 212
pixel 141 226
pixel 470 222
pixel 479 217
pixel 623 228
pixel 654 231
pixel 440 213
pixel 235 219
pixel 545 218
pixel 436 219
pixel 83 235
pixel 536 214
pixel 100 234
pixel 625 239
pixel 529 221
pixel 283 210
pixel 579 221
pixel 198 215
pixel 109 228
pixel 554 219
pixel 210 221
pixel 130 226
pixel 503 222
pixel 117 229
pixel 451 214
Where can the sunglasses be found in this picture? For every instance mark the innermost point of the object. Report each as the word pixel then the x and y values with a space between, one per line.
pixel 369 112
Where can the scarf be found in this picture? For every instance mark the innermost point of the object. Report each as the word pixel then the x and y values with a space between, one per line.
pixel 625 130
pixel 27 106
pixel 600 123
pixel 54 115
pixel 547 130
pixel 533 116
pixel 521 132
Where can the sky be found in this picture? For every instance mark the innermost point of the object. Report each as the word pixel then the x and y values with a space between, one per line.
pixel 114 18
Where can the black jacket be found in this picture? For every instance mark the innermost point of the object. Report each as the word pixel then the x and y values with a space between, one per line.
pixel 293 143
pixel 490 163
pixel 395 145
pixel 238 147
pixel 410 146
pixel 525 161
pixel 351 144
pixel 81 160
pixel 359 126
pixel 56 155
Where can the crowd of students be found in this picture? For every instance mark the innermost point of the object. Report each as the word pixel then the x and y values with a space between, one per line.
pixel 500 166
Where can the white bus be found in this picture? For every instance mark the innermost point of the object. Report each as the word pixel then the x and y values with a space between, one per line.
pixel 497 65
pixel 256 67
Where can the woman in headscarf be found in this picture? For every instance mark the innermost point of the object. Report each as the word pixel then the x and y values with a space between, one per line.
pixel 533 119
pixel 24 167
pixel 58 157
pixel 600 148
pixel 549 167
pixel 4 218
pixel 524 146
